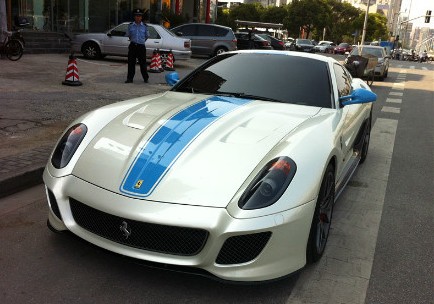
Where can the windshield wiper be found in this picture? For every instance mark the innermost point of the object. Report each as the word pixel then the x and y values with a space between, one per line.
pixel 249 96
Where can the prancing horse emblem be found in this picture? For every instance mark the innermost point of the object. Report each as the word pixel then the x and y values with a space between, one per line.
pixel 125 230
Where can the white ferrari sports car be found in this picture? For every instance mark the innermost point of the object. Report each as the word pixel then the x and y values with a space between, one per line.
pixel 232 173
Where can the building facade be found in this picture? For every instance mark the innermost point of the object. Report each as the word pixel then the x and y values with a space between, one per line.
pixel 99 15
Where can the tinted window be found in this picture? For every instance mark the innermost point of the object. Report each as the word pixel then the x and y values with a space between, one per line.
pixel 221 32
pixel 205 30
pixel 288 79
pixel 343 80
pixel 378 52
pixel 187 30
pixel 120 30
pixel 153 34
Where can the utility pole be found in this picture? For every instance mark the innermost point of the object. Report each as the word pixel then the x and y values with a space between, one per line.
pixel 365 23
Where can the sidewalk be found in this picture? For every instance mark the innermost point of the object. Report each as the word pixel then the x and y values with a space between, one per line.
pixel 35 107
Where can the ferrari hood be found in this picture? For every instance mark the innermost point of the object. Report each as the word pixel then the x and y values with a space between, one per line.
pixel 186 148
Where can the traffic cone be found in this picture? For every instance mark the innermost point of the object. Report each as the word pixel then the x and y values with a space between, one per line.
pixel 160 61
pixel 71 77
pixel 155 64
pixel 169 62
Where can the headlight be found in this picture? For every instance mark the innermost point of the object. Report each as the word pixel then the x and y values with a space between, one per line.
pixel 270 183
pixel 68 145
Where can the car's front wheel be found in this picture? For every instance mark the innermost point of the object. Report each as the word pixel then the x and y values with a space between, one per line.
pixel 320 228
pixel 366 140
pixel 91 50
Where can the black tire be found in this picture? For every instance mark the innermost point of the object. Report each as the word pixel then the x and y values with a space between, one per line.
pixel 321 221
pixel 220 50
pixel 366 140
pixel 14 50
pixel 91 50
pixel 385 73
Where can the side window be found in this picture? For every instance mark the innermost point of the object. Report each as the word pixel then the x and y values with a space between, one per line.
pixel 221 32
pixel 120 30
pixel 205 30
pixel 153 34
pixel 343 80
pixel 188 30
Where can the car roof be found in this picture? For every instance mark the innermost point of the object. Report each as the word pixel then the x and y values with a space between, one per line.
pixel 288 53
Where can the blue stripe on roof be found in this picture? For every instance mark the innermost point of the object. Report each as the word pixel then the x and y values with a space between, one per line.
pixel 171 139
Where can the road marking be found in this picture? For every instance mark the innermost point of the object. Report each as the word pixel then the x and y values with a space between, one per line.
pixel 396 93
pixel 391 110
pixel 394 100
pixel 343 273
pixel 103 64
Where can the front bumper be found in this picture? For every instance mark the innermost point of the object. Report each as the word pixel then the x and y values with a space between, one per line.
pixel 283 253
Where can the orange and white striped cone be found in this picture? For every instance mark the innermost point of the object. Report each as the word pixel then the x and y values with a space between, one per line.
pixel 160 62
pixel 153 68
pixel 72 78
pixel 169 62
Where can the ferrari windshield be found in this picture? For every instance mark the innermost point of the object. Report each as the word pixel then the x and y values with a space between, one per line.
pixel 263 76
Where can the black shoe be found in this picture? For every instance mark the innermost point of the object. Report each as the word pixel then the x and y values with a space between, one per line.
pixel 146 81
pixel 128 81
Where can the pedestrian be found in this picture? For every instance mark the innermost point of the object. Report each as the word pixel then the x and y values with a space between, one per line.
pixel 138 34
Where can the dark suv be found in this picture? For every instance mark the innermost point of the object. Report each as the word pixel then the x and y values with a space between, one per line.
pixel 207 39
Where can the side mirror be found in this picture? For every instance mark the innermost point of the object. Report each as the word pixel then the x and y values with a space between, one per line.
pixel 179 34
pixel 172 78
pixel 109 34
pixel 358 96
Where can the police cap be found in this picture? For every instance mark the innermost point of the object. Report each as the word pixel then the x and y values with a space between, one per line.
pixel 137 12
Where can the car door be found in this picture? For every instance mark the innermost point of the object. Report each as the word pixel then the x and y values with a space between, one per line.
pixel 352 115
pixel 242 41
pixel 116 42
pixel 155 41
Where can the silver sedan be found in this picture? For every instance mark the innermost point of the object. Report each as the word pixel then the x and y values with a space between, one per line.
pixel 115 42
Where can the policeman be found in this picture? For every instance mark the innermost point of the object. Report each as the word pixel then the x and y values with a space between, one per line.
pixel 138 34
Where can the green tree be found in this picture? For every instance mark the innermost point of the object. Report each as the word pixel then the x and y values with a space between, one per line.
pixel 376 27
pixel 274 14
pixel 306 15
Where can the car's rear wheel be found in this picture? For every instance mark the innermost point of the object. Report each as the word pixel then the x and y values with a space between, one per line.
pixel 322 217
pixel 91 50
pixel 220 50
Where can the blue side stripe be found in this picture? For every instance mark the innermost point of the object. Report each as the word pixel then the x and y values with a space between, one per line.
pixel 171 139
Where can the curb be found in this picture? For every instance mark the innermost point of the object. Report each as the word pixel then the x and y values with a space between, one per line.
pixel 20 182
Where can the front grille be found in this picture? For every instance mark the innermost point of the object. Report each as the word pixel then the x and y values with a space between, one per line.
pixel 53 204
pixel 242 248
pixel 153 237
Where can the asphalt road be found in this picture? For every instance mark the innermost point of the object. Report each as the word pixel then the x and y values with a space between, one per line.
pixel 380 247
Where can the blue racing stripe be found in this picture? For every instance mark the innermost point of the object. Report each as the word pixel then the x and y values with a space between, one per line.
pixel 171 139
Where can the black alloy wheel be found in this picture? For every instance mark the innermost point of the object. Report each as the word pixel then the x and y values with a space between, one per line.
pixel 322 217
pixel 91 50
pixel 14 50
pixel 366 140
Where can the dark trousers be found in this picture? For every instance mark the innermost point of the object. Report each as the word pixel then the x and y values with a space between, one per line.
pixel 137 51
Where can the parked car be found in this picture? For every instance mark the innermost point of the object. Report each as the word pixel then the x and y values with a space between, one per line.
pixel 288 42
pixel 276 44
pixel 114 42
pixel 382 68
pixel 207 39
pixel 324 47
pixel 232 172
pixel 243 42
pixel 302 45
pixel 342 48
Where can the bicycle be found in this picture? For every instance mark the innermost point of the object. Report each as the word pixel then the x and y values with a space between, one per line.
pixel 13 45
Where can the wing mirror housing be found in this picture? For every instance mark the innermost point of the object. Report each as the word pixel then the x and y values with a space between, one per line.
pixel 358 96
pixel 172 78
